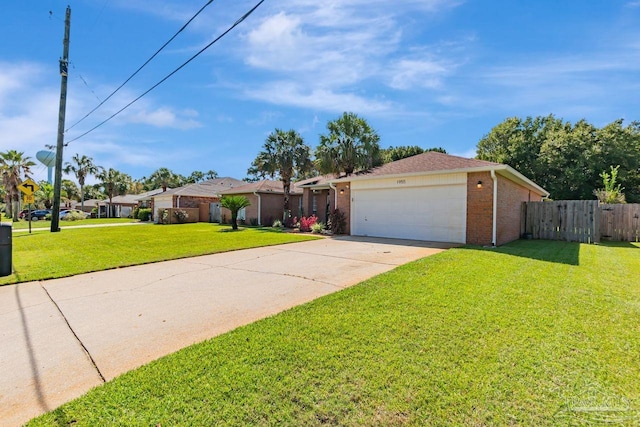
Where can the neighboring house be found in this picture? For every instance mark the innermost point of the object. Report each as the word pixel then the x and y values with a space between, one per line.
pixel 201 195
pixel 433 197
pixel 267 202
pixel 122 206
pixel 318 197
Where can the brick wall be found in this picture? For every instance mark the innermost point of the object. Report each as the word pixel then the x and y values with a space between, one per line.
pixel 344 203
pixel 479 209
pixel 510 198
pixel 271 206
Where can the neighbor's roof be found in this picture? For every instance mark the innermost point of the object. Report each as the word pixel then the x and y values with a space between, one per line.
pixel 210 188
pixel 433 162
pixel 264 186
pixel 132 199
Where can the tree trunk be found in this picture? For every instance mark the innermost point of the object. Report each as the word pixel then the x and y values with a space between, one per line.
pixel 234 220
pixel 286 186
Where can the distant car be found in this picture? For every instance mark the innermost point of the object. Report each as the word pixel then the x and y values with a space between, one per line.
pixel 66 212
pixel 37 214
pixel 23 213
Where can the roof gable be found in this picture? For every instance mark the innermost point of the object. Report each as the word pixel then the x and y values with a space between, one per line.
pixel 210 188
pixel 431 161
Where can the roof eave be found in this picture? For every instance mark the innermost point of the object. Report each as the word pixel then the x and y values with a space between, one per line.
pixel 507 170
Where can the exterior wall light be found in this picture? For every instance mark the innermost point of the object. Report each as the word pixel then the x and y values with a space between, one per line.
pixel 341 191
pixel 479 184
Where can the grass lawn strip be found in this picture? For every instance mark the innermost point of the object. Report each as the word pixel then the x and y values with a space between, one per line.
pixel 527 334
pixel 42 255
pixel 46 225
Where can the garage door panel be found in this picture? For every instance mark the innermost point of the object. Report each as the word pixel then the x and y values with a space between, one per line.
pixel 435 213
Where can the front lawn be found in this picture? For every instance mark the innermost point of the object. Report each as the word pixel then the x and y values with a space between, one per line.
pixel 532 333
pixel 46 224
pixel 46 255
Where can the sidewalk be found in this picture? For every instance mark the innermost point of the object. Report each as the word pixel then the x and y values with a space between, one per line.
pixel 60 338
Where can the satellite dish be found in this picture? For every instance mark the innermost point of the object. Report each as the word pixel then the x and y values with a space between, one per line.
pixel 47 158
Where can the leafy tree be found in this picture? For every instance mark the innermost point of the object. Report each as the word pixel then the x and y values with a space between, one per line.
pixel 566 158
pixel 44 195
pixel 350 145
pixel 196 176
pixel 211 174
pixel 611 193
pixel 284 154
pixel 392 154
pixel 81 167
pixel 234 204
pixel 163 178
pixel 13 165
pixel 113 183
pixel 70 190
pixel 135 187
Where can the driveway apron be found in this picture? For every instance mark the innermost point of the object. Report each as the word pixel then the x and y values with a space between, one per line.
pixel 60 338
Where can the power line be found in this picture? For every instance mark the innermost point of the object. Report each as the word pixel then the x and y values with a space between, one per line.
pixel 141 67
pixel 245 16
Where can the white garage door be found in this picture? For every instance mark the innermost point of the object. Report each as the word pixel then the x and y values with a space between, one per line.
pixel 433 213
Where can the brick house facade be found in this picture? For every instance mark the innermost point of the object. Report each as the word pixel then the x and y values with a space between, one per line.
pixel 435 197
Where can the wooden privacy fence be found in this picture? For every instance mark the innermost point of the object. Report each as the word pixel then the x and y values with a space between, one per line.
pixel 583 221
pixel 620 222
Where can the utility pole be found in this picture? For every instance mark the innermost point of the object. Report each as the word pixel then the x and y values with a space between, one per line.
pixel 64 70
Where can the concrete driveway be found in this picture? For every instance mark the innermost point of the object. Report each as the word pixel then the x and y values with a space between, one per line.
pixel 59 338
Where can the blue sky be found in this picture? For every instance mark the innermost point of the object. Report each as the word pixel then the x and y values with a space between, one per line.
pixel 422 72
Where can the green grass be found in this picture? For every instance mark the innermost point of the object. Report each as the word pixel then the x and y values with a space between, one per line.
pixel 46 225
pixel 527 334
pixel 45 255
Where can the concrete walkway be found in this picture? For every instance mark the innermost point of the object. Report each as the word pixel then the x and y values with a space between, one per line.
pixel 59 338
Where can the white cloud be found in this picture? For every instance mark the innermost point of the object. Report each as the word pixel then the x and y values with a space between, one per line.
pixel 164 117
pixel 291 94
pixel 407 74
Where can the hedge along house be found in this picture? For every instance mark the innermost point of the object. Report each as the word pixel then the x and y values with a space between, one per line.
pixel 267 202
pixel 434 197
pixel 200 195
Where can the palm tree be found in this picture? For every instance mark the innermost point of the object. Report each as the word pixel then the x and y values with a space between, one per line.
pixel 234 204
pixel 164 178
pixel 13 165
pixel 211 174
pixel 114 183
pixel 81 167
pixel 70 190
pixel 286 155
pixel 351 145
pixel 44 195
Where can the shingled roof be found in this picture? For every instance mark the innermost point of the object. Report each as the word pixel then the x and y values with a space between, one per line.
pixel 210 188
pixel 264 186
pixel 431 161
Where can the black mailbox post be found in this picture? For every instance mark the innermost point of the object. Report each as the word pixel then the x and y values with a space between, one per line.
pixel 5 250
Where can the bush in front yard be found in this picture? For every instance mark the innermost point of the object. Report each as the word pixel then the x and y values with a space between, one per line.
pixel 143 214
pixel 74 216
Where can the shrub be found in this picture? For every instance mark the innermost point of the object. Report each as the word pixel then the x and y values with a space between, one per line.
pixel 317 228
pixel 74 216
pixel 143 214
pixel 181 216
pixel 337 222
pixel 164 216
pixel 277 224
pixel 307 222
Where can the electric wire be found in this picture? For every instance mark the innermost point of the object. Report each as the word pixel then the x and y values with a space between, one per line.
pixel 142 66
pixel 238 22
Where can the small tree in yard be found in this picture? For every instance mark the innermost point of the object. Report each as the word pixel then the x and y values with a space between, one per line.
pixel 234 204
pixel 611 193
